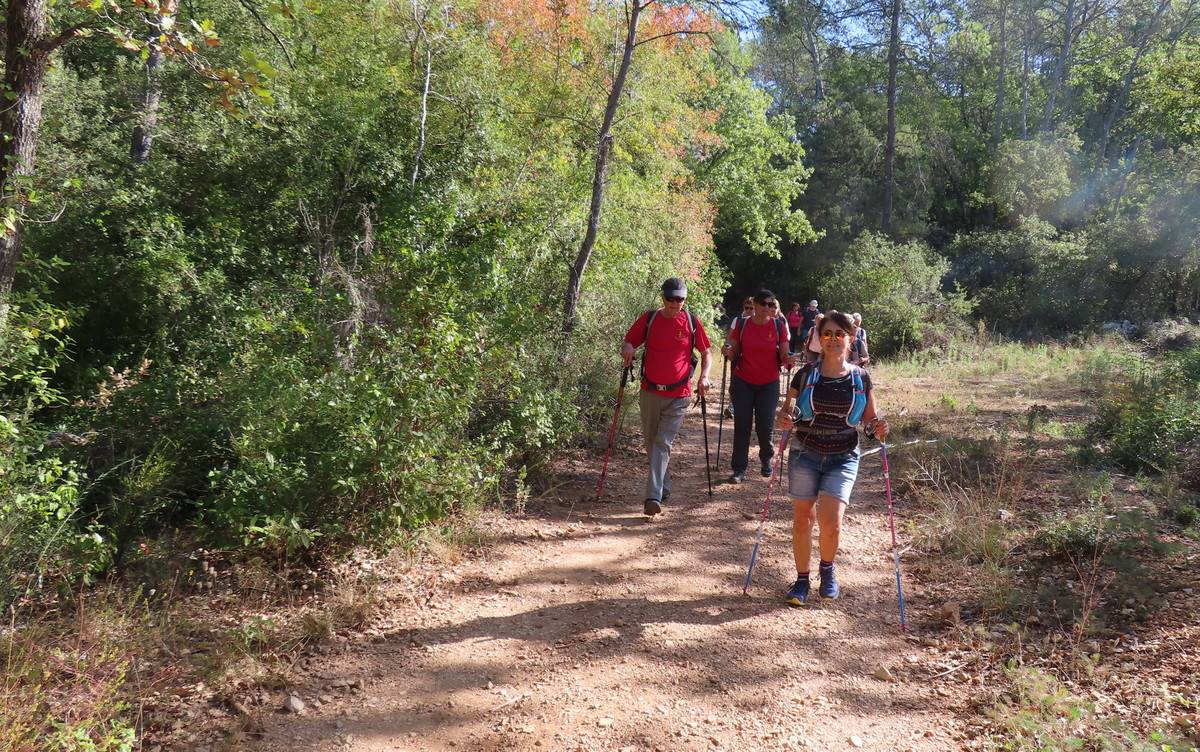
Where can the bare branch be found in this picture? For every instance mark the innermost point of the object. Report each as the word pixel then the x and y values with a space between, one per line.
pixel 680 33
pixel 262 22
pixel 48 46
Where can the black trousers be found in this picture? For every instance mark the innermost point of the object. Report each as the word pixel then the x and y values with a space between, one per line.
pixel 753 404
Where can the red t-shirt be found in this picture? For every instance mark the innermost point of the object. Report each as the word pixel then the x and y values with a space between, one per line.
pixel 668 350
pixel 795 319
pixel 759 359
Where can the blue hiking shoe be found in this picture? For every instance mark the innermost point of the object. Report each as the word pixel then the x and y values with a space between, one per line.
pixel 829 584
pixel 798 595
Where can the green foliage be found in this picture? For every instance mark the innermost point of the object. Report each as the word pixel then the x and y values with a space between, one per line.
pixel 1167 99
pixel 1028 278
pixel 41 534
pixel 1146 419
pixel 754 169
pixel 320 338
pixel 1034 177
pixel 897 287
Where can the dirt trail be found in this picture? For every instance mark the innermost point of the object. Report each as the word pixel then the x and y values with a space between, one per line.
pixel 610 632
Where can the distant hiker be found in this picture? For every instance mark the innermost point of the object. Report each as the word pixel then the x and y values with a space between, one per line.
pixel 812 344
pixel 859 355
pixel 826 403
pixel 757 346
pixel 670 335
pixel 808 317
pixel 795 326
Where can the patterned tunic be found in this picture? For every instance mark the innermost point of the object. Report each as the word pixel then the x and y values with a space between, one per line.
pixel 832 399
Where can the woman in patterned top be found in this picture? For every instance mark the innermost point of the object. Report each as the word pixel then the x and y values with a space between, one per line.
pixel 836 397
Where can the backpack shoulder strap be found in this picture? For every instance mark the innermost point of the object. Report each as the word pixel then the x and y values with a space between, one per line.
pixel 859 403
pixel 806 397
pixel 649 320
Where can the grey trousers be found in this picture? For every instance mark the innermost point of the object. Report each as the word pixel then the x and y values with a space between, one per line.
pixel 661 419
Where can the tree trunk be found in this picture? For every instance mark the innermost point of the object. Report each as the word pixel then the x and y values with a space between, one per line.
pixel 1027 42
pixel 603 152
pixel 889 154
pixel 814 52
pixel 1118 105
pixel 1060 66
pixel 998 123
pixel 422 36
pixel 26 57
pixel 144 131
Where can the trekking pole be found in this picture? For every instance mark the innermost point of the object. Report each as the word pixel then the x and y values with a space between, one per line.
pixel 887 485
pixel 626 374
pixel 721 422
pixel 766 510
pixel 704 421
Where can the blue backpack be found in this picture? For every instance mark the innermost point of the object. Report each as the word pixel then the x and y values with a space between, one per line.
pixel 857 407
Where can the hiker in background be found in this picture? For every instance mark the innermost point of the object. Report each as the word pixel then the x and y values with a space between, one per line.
pixel 795 324
pixel 808 317
pixel 812 345
pixel 859 355
pixel 826 402
pixel 670 335
pixel 758 346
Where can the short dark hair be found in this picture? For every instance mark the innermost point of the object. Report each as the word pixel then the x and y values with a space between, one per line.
pixel 763 295
pixel 841 319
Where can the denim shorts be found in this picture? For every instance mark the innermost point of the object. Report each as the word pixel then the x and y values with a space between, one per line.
pixel 810 473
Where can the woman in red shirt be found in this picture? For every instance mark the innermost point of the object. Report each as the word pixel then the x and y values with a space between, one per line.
pixel 795 321
pixel 758 346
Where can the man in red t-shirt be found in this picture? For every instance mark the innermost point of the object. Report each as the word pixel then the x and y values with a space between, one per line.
pixel 670 334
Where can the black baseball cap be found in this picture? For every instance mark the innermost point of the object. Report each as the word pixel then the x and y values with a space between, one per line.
pixel 674 288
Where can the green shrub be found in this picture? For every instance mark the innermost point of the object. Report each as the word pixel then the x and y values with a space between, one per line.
pixel 41 535
pixel 897 287
pixel 1147 420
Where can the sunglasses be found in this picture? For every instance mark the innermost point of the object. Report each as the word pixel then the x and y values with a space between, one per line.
pixel 673 299
pixel 839 334
pixel 772 304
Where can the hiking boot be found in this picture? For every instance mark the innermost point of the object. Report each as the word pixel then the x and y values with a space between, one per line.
pixel 737 478
pixel 666 495
pixel 798 595
pixel 729 412
pixel 766 468
pixel 829 584
pixel 652 507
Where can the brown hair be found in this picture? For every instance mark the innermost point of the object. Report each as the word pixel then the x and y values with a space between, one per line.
pixel 841 319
